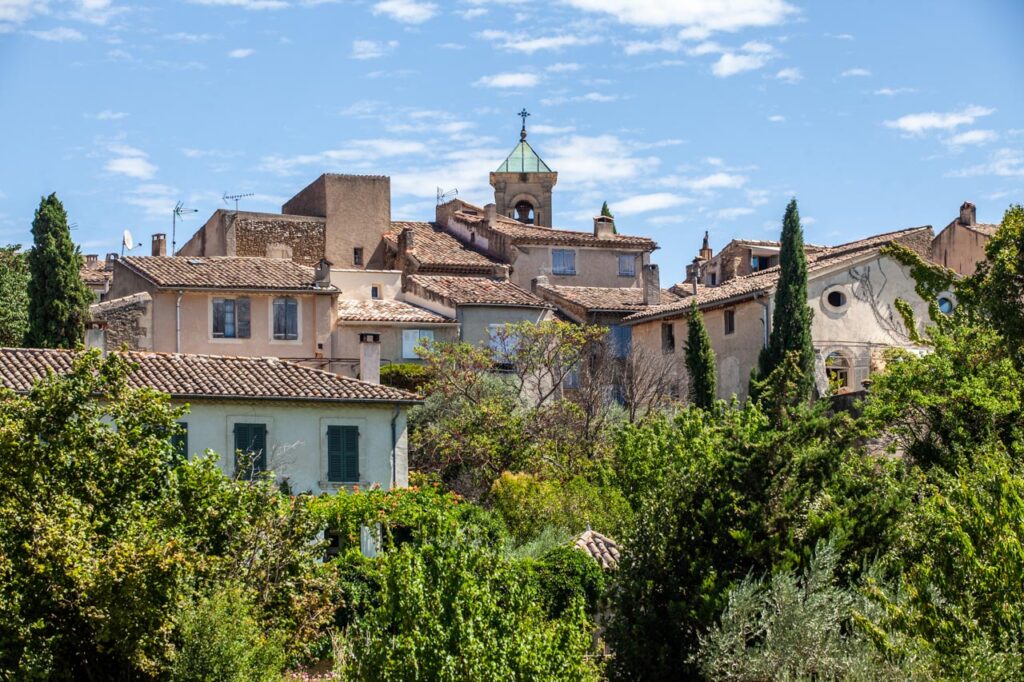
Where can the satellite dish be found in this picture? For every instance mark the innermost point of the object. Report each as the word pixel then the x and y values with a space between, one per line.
pixel 127 240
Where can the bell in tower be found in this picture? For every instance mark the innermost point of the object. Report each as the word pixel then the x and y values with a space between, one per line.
pixel 523 184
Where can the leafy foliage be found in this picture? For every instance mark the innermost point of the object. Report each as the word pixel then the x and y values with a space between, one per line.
pixel 405 375
pixel 13 295
pixel 700 361
pixel 58 299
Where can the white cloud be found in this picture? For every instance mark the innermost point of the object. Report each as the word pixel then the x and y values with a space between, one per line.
pixel 371 49
pixel 509 80
pixel 1006 163
pixel 542 129
pixel 714 181
pixel 19 11
pixel 406 11
pixel 855 72
pixel 643 203
pixel 701 16
pixel 776 118
pixel 108 115
pixel 358 154
pixel 790 75
pixel 563 67
pixel 916 124
pixel 157 200
pixel 184 37
pixel 244 4
pixel 517 43
pixel 241 53
pixel 757 47
pixel 589 97
pixel 757 197
pixel 130 161
pixel 472 13
pixel 636 47
pixel 730 64
pixel 732 213
pixel 452 46
pixel 707 47
pixel 972 137
pixel 60 34
pixel 892 92
pixel 584 160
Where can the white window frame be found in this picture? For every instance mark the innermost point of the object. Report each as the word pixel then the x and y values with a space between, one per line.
pixel 409 352
pixel 209 319
pixel 554 266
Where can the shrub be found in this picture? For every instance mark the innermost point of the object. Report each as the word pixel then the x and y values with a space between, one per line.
pixel 566 575
pixel 405 375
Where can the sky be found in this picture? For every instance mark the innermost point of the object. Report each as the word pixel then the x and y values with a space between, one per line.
pixel 685 115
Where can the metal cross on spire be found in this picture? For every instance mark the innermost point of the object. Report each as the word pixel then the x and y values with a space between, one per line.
pixel 523 114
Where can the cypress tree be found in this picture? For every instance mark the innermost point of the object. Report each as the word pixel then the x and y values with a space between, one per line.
pixel 58 304
pixel 607 212
pixel 791 318
pixel 700 361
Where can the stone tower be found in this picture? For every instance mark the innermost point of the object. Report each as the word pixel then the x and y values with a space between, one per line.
pixel 522 184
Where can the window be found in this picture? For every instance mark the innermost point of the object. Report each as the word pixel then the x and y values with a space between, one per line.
pixel 179 441
pixel 412 338
pixel 563 262
pixel 758 263
pixel 286 319
pixel 834 299
pixel 627 265
pixel 837 366
pixel 622 338
pixel 946 303
pixel 714 278
pixel 503 343
pixel 572 378
pixel 730 321
pixel 231 318
pixel 357 255
pixel 375 291
pixel 250 450
pixel 343 454
pixel 668 338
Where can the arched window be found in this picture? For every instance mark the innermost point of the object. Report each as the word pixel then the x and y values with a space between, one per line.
pixel 837 366
pixel 525 212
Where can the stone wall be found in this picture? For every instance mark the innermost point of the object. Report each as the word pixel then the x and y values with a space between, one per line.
pixel 129 321
pixel 271 236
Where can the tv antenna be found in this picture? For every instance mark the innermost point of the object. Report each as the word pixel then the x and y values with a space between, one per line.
pixel 444 197
pixel 235 197
pixel 179 212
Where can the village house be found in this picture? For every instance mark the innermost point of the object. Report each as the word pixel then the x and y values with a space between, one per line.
pixel 960 246
pixel 96 274
pixel 852 289
pixel 316 431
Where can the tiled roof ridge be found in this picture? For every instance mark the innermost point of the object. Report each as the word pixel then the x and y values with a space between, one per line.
pixel 266 214
pixel 121 300
pixel 441 285
pixel 224 272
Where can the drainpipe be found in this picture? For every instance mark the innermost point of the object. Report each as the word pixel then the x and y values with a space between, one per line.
pixel 394 446
pixel 177 323
pixel 765 318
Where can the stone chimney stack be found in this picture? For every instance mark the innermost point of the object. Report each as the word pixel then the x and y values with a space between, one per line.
pixel 604 227
pixel 159 244
pixel 968 214
pixel 705 249
pixel 538 281
pixel 369 357
pixel 491 213
pixel 109 261
pixel 91 259
pixel 652 285
pixel 322 274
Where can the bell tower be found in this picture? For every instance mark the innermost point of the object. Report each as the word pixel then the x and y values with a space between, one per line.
pixel 523 183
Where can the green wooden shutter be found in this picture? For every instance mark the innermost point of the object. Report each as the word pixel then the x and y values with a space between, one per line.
pixel 343 454
pixel 334 457
pixel 251 441
pixel 242 326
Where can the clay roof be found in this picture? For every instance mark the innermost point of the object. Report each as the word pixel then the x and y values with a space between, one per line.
pixel 762 281
pixel 223 272
pixel 602 548
pixel 120 302
pixel 476 291
pixel 388 310
pixel 521 233
pixel 435 249
pixel 625 299
pixel 205 376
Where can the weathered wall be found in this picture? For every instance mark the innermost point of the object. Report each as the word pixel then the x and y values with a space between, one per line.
pixel 296 439
pixel 264 235
pixel 959 248
pixel 356 284
pixel 594 267
pixel 125 282
pixel 345 342
pixel 509 188
pixel 129 321
pixel 476 320
pixel 209 240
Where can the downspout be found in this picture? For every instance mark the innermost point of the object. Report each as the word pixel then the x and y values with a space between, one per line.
pixel 177 322
pixel 765 318
pixel 394 446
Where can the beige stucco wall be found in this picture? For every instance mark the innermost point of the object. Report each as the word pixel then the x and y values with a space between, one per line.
pixel 345 342
pixel 296 435
pixel 355 284
pixel 594 267
pixel 196 325
pixel 476 320
pixel 959 248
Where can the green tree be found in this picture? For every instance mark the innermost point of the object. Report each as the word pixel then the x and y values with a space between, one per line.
pixel 58 304
pixel 791 317
pixel 607 212
pixel 700 361
pixel 13 295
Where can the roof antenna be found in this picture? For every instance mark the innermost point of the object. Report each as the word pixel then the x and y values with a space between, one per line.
pixel 179 211
pixel 444 197
pixel 235 197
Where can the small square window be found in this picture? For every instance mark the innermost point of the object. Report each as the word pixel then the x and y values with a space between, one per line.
pixel 730 321
pixel 563 262
pixel 668 338
pixel 375 291
pixel 357 255
pixel 627 265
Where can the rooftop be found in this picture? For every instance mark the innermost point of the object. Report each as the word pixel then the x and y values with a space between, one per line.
pixel 387 310
pixel 223 272
pixel 614 299
pixel 602 548
pixel 206 376
pixel 457 291
pixel 437 250
pixel 523 160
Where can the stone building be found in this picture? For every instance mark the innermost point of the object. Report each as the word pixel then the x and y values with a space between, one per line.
pixel 522 185
pixel 960 246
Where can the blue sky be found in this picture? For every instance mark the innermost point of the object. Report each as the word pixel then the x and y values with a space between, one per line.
pixel 684 116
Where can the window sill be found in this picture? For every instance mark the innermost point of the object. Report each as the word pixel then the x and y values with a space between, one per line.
pixel 339 485
pixel 563 274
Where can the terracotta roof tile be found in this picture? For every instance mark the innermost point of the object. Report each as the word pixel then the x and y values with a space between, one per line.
pixel 602 548
pixel 206 376
pixel 387 311
pixel 475 291
pixel 607 298
pixel 521 233
pixel 95 275
pixel 222 272
pixel 437 250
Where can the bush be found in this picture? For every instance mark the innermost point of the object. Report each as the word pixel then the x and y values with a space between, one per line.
pixel 566 575
pixel 405 375
pixel 220 640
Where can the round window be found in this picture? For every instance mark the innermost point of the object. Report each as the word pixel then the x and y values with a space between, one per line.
pixel 836 299
pixel 946 305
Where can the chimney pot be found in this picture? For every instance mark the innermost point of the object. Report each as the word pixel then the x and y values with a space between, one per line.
pixel 111 257
pixel 369 357
pixel 604 227
pixel 651 284
pixel 968 214
pixel 91 259
pixel 322 274
pixel 159 244
pixel 539 281
pixel 491 213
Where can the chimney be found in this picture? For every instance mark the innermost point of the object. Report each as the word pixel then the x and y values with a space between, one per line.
pixel 159 244
pixel 322 274
pixel 604 227
pixel 369 357
pixel 696 274
pixel 96 336
pixel 652 285
pixel 502 272
pixel 109 262
pixel 968 214
pixel 705 249
pixel 538 281
pixel 406 240
pixel 491 213
pixel 91 259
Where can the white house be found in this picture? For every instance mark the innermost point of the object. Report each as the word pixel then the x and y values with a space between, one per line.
pixel 318 431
